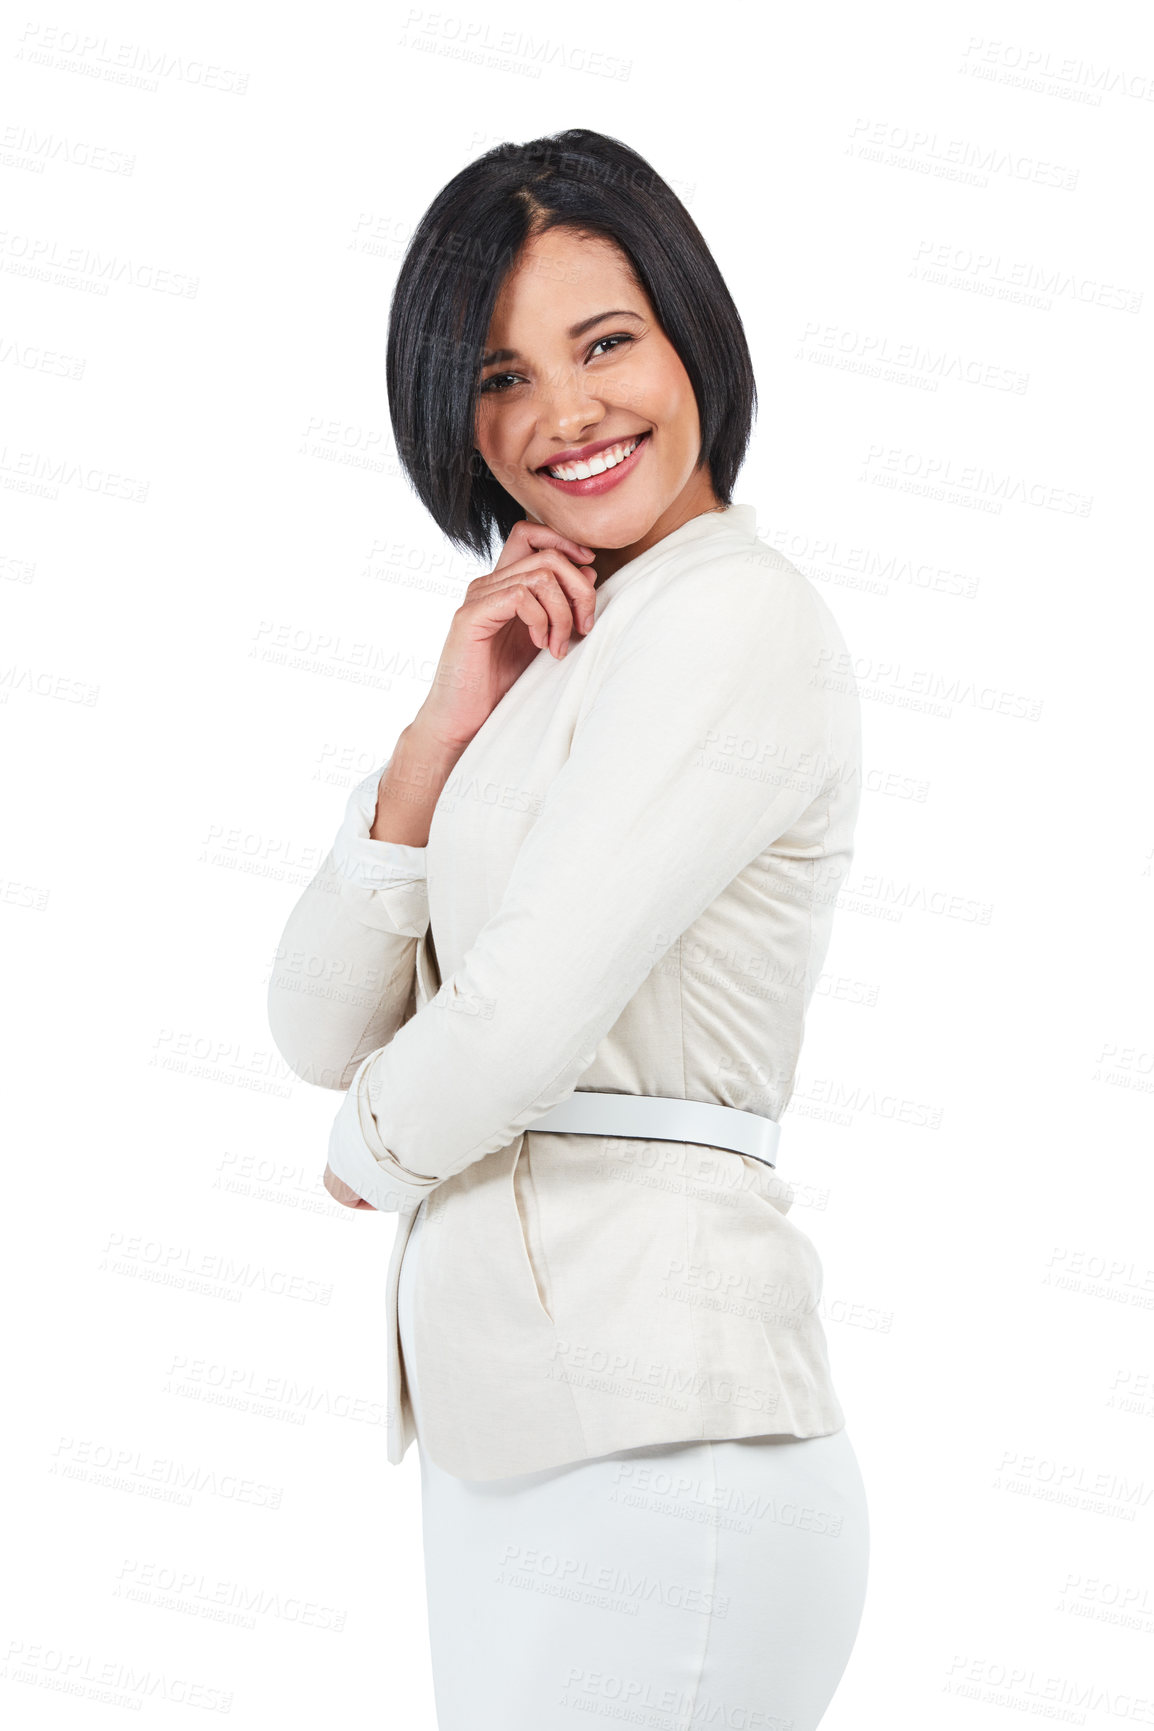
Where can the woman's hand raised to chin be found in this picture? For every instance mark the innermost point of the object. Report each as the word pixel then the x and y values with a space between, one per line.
pixel 539 593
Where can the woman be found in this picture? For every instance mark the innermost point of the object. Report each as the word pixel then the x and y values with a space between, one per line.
pixel 627 801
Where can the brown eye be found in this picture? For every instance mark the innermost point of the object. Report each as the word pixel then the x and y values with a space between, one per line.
pixel 620 337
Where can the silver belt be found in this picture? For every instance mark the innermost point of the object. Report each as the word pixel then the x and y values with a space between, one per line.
pixel 662 1118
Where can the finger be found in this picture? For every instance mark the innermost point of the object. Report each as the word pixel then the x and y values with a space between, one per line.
pixel 502 602
pixel 340 1191
pixel 530 535
pixel 577 582
pixel 531 603
pixel 525 537
pixel 513 592
pixel 554 597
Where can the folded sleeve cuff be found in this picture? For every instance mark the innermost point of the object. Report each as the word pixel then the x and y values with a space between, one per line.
pixel 359 1157
pixel 392 871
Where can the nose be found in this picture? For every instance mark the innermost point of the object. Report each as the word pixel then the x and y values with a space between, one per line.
pixel 567 410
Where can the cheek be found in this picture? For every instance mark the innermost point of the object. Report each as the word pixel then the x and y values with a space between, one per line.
pixel 665 397
pixel 482 429
pixel 498 433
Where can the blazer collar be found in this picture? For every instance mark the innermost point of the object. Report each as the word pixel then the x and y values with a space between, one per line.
pixel 737 522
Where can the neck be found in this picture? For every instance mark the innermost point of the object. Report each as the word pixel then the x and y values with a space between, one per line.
pixel 607 560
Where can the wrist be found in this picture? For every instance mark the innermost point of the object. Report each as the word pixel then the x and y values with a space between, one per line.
pixel 421 749
pixel 424 747
pixel 408 791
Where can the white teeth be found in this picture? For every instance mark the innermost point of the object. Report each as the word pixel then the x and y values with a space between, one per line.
pixel 596 465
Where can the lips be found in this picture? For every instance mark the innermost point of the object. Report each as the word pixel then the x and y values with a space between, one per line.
pixel 605 480
pixel 583 453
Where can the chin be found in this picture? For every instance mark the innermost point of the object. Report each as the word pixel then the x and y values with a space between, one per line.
pixel 615 526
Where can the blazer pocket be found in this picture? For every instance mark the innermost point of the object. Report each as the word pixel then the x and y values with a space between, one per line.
pixel 428 975
pixel 529 1225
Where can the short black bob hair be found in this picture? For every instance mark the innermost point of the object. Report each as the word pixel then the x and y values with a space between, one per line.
pixel 465 246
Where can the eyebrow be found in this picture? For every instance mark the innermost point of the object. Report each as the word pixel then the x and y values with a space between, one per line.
pixel 577 330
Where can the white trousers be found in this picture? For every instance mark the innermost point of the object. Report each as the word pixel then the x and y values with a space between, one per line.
pixel 674 1587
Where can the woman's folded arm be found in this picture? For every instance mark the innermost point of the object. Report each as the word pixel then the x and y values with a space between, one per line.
pixel 343 980
pixel 711 731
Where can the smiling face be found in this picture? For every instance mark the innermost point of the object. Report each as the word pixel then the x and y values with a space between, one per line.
pixel 575 358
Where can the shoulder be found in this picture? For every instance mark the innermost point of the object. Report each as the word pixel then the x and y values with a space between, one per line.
pixel 746 594
pixel 743 620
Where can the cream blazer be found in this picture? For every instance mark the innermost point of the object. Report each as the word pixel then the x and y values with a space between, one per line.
pixel 629 884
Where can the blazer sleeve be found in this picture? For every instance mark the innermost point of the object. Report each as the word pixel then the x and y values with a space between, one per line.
pixel 715 723
pixel 342 981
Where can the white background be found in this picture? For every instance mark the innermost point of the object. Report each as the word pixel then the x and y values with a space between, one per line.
pixel 221 605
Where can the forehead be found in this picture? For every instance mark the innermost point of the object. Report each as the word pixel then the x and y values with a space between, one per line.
pixel 560 278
